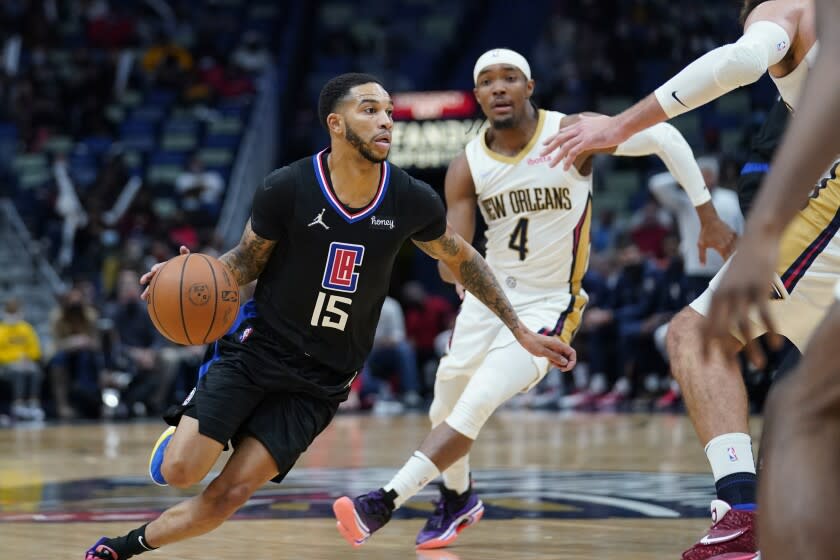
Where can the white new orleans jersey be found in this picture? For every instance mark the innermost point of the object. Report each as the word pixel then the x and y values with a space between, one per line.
pixel 538 217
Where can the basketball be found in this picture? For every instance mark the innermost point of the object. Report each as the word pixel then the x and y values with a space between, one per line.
pixel 193 299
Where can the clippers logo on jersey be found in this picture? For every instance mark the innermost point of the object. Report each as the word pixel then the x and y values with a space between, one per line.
pixel 340 273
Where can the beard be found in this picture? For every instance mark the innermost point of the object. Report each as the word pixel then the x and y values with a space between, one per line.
pixel 505 123
pixel 360 145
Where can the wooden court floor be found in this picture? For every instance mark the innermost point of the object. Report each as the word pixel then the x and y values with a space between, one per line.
pixel 556 487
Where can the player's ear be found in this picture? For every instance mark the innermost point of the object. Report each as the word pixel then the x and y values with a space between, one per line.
pixel 335 123
pixel 529 86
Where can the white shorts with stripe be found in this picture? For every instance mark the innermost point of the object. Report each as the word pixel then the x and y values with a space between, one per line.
pixel 808 271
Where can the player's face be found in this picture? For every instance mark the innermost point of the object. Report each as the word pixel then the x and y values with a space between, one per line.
pixel 367 113
pixel 503 92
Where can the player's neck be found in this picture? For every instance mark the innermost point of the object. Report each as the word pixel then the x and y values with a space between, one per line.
pixel 511 141
pixel 354 179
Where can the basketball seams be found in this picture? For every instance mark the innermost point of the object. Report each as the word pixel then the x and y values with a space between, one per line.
pixel 156 319
pixel 181 298
pixel 215 298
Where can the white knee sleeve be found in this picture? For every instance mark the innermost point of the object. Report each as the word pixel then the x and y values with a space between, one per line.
pixel 504 373
pixel 447 393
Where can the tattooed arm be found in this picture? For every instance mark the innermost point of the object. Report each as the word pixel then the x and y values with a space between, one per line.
pixel 471 270
pixel 247 260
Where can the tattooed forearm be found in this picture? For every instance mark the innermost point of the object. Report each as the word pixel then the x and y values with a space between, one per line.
pixel 247 259
pixel 444 247
pixel 479 280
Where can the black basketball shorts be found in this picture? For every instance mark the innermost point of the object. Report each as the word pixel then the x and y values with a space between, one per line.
pixel 240 393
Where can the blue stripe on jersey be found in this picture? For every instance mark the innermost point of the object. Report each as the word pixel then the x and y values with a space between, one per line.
pixel 246 311
pixel 754 167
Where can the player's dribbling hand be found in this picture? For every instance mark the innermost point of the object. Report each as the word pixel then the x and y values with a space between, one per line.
pixel 745 286
pixel 560 354
pixel 586 134
pixel 147 278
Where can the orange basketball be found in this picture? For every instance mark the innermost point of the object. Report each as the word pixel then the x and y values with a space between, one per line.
pixel 193 299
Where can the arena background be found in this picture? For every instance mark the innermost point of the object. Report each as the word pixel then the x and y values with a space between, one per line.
pixel 129 127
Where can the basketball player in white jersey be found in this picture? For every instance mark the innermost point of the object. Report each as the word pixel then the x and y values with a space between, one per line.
pixel 538 246
pixel 779 38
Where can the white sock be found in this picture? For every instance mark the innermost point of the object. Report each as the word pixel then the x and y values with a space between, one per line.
pixel 730 454
pixel 457 477
pixel 415 474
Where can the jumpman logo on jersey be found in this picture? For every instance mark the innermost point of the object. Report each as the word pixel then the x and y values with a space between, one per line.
pixel 319 219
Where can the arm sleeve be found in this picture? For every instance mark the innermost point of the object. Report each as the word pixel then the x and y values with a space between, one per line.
pixel 273 204
pixel 725 68
pixel 664 189
pixel 429 207
pixel 669 145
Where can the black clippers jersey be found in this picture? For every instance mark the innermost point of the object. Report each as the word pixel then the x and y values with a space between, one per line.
pixel 324 285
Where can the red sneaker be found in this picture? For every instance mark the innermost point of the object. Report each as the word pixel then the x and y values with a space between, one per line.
pixel 667 401
pixel 732 532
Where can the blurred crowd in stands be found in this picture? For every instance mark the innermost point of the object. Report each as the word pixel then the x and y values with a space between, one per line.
pixel 120 122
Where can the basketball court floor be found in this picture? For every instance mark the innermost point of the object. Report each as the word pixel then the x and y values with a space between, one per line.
pixel 556 486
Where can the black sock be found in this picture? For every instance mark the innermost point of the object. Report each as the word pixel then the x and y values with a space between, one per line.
pixel 132 544
pixel 390 496
pixel 738 490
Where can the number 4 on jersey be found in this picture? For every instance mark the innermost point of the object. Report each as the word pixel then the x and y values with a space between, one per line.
pixel 519 238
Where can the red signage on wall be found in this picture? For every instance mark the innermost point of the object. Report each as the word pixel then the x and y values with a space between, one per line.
pixel 427 105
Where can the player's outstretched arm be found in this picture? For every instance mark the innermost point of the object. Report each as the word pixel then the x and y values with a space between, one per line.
pixel 247 260
pixel 765 42
pixel 666 142
pixel 472 271
pixel 808 147
pixel 461 203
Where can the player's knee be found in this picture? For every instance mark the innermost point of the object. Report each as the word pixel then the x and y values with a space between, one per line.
pixel 438 412
pixel 180 473
pixel 469 416
pixel 225 498
pixel 683 332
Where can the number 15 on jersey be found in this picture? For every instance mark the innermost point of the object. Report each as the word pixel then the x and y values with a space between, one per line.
pixel 339 275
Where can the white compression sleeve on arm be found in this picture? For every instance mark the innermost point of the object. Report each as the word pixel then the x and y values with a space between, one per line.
pixel 725 68
pixel 669 145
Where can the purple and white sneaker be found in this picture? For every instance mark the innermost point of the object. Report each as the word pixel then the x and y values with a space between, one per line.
pixel 453 513
pixel 358 518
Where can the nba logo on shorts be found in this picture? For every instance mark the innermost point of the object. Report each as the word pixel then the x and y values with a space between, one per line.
pixel 340 273
pixel 732 455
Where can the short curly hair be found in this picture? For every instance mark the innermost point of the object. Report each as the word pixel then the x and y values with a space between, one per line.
pixel 337 88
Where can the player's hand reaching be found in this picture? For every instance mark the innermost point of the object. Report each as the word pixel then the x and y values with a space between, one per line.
pixel 558 352
pixel 146 279
pixel 587 134
pixel 745 286
pixel 716 234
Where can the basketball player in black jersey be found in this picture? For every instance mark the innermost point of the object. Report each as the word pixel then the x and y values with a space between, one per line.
pixel 322 239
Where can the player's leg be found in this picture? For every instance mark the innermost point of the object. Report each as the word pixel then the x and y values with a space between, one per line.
pixel 222 401
pixel 213 412
pixel 280 427
pixel 716 400
pixel 505 372
pixel 799 497
pixel 447 392
pixel 250 466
